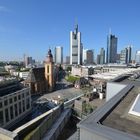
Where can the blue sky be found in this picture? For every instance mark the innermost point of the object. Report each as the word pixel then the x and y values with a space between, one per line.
pixel 32 26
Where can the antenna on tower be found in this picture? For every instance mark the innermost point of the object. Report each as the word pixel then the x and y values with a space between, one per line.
pixel 76 24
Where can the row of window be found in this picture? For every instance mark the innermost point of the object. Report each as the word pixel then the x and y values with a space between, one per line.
pixel 16 110
pixel 12 100
pixel 74 54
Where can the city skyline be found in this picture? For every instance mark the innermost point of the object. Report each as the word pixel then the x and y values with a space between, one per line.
pixel 31 27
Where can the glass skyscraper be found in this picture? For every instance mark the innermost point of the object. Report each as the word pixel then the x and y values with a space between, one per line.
pixel 111 49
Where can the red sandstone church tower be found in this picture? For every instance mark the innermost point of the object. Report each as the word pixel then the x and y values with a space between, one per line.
pixel 49 71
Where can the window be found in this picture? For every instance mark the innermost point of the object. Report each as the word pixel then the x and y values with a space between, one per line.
pixel 28 103
pixel 23 104
pixel 27 93
pixel 15 98
pixel 11 112
pixel 20 111
pixel 0 104
pixel 74 54
pixel 1 117
pixel 6 115
pixel 75 46
pixel 5 102
pixel 10 100
pixel 23 95
pixel 19 97
pixel 16 110
pixel 48 69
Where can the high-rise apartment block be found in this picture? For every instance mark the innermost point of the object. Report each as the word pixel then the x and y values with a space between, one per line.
pixel 76 47
pixel 58 55
pixel 111 53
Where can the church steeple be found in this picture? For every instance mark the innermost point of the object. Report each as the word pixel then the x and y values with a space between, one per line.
pixel 49 71
pixel 49 56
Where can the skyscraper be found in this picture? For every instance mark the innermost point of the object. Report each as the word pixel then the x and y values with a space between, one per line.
pixel 76 47
pixel 125 55
pixel 137 57
pixel 129 49
pixel 67 59
pixel 111 53
pixel 88 56
pixel 102 56
pixel 58 54
pixel 85 55
pixel 98 58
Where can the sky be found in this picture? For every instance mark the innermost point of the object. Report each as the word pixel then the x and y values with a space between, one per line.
pixel 32 26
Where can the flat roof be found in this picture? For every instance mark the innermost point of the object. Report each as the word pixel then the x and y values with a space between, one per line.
pixel 114 74
pixel 112 120
pixel 121 119
pixel 10 88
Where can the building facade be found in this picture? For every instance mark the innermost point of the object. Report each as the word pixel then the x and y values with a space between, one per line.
pixel 111 53
pixel 129 56
pixel 102 56
pixel 76 47
pixel 125 55
pixel 81 71
pixel 88 56
pixel 15 104
pixel 98 59
pixel 137 59
pixel 67 59
pixel 58 55
pixel 41 79
pixel 49 71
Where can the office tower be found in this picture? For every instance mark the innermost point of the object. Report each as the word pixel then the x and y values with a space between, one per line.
pixel 85 56
pixel 67 59
pixel 124 56
pixel 129 49
pixel 102 56
pixel 118 58
pixel 137 59
pixel 30 60
pixel 58 55
pixel 76 47
pixel 27 61
pixel 111 53
pixel 98 59
pixel 88 56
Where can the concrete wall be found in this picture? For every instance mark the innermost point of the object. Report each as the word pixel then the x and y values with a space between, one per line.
pixel 112 89
pixel 7 135
pixel 87 135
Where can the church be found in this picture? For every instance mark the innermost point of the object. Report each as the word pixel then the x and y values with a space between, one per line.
pixel 41 80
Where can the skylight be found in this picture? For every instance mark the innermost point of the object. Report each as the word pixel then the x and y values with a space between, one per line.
pixel 135 108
